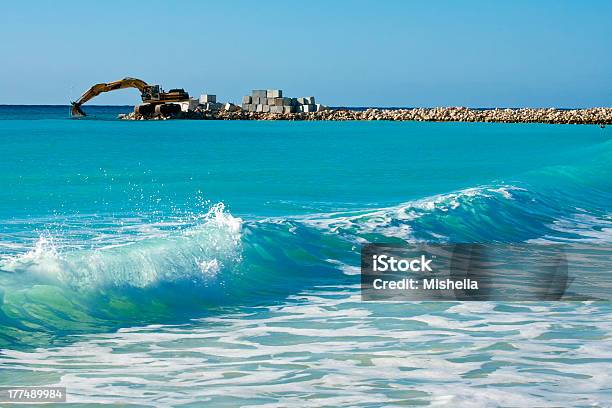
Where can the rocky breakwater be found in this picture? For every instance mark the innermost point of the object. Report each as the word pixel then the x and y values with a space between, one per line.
pixel 601 116
pixel 460 114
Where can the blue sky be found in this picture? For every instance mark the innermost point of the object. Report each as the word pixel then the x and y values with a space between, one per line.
pixel 359 53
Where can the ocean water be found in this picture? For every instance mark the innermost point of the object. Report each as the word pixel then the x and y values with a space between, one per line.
pixel 210 263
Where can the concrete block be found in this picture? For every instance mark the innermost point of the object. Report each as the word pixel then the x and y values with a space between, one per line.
pixel 302 101
pixel 278 101
pixel 266 108
pixel 276 109
pixel 205 98
pixel 246 99
pixel 189 105
pixel 262 93
pixel 320 107
pixel 286 101
pixel 264 101
pixel 274 93
pixel 294 102
pixel 309 108
pixel 245 106
pixel 213 106
pixel 252 108
pixel 259 108
pixel 288 109
pixel 310 100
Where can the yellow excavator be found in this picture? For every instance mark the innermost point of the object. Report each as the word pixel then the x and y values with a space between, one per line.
pixel 155 100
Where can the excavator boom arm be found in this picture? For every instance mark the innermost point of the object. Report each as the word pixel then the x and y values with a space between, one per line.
pixel 97 89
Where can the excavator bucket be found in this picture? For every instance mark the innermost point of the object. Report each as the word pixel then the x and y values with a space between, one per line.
pixel 76 111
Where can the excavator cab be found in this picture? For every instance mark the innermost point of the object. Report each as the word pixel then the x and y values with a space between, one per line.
pixel 151 93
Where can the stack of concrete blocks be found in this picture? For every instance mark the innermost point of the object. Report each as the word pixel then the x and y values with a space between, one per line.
pixel 272 100
pixel 307 104
pixel 209 102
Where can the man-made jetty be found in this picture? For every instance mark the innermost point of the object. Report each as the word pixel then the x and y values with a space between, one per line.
pixel 601 116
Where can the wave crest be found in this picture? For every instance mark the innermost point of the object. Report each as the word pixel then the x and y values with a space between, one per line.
pixel 404 221
pixel 196 253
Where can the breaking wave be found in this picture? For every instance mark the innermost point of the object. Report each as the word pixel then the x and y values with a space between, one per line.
pixel 194 254
pixel 149 272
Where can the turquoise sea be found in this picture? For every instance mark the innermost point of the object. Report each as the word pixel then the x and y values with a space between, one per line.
pixel 216 263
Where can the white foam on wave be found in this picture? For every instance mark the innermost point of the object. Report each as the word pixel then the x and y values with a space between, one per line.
pixel 580 227
pixel 197 252
pixel 395 221
pixel 338 351
pixel 42 259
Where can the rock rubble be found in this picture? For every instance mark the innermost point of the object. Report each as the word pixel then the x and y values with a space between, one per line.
pixel 601 116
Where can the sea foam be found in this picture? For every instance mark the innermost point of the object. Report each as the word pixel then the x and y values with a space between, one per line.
pixel 195 253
